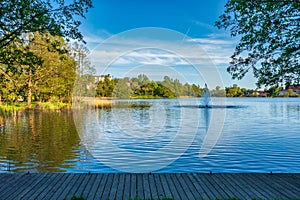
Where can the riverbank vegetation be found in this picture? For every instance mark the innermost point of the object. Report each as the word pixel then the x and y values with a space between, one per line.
pixel 143 87
pixel 48 78
pixel 38 65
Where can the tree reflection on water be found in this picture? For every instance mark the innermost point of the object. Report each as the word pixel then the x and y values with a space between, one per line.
pixel 37 141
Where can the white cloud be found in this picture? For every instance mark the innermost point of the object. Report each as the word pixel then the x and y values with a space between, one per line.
pixel 120 55
pixel 210 41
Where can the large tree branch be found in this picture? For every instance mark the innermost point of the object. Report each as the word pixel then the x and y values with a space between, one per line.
pixel 8 38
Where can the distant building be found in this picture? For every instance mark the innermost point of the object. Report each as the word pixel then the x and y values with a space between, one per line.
pixel 262 94
pixel 101 77
pixel 296 91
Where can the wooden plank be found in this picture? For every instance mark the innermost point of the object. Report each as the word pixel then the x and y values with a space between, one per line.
pixel 296 177
pixel 133 186
pixel 100 189
pixel 47 192
pixel 268 189
pixel 89 185
pixel 121 185
pixel 181 191
pixel 6 190
pixel 68 187
pixel 127 185
pixel 159 187
pixel 238 186
pixel 165 186
pixel 216 189
pixel 174 191
pixel 235 188
pixel 81 185
pixel 107 187
pixel 44 186
pixel 140 189
pixel 146 186
pixel 247 186
pixel 7 178
pixel 114 187
pixel 184 188
pixel 5 184
pixel 289 181
pixel 149 186
pixel 220 186
pixel 198 186
pixel 281 188
pixel 189 184
pixel 153 189
pixel 210 190
pixel 20 187
pixel 260 187
pixel 94 188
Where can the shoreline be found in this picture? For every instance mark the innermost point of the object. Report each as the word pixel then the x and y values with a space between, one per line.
pixel 90 101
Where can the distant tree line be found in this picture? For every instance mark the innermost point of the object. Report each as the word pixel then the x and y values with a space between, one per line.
pixel 273 91
pixel 143 87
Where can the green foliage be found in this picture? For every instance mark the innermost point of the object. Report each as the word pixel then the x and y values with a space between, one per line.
pixel 236 91
pixel 218 92
pixel 274 91
pixel 269 40
pixel 122 89
pixel 105 87
pixel 289 93
pixel 35 63
pixel 143 87
pixel 78 198
pixel 56 17
pixel 49 78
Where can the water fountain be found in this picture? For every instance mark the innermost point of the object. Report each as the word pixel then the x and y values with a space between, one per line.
pixel 206 97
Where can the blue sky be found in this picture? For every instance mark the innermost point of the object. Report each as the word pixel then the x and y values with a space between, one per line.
pixel 182 35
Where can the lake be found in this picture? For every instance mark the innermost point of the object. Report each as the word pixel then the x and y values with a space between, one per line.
pixel 156 135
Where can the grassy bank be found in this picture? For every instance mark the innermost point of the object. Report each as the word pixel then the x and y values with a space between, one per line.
pixel 12 107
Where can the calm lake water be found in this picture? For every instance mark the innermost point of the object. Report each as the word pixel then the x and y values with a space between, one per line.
pixel 160 135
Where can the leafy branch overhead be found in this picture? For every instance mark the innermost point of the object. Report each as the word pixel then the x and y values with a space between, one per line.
pixel 269 44
pixel 35 61
pixel 55 17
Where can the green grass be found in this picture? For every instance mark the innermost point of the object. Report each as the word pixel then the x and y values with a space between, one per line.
pixel 51 106
pixel 13 107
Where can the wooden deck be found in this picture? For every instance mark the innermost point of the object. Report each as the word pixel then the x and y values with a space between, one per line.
pixel 149 186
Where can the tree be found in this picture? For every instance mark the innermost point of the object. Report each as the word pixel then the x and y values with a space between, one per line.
pixel 56 17
pixel 269 44
pixel 105 87
pixel 48 77
pixel 85 81
pixel 218 92
pixel 274 91
pixel 233 91
pixel 122 89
